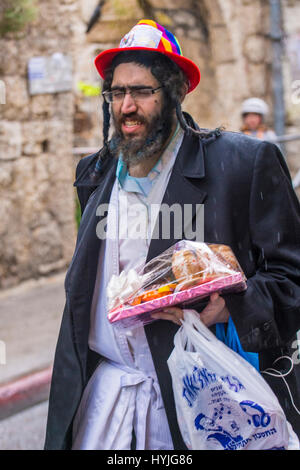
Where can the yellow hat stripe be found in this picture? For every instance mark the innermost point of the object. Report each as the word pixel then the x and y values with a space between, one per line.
pixel 149 22
pixel 166 45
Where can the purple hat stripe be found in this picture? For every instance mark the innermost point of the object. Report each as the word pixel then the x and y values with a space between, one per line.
pixel 161 28
pixel 174 43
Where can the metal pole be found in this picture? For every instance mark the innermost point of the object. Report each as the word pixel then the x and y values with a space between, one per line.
pixel 286 138
pixel 277 77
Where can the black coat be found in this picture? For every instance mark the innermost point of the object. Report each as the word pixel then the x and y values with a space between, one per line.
pixel 249 205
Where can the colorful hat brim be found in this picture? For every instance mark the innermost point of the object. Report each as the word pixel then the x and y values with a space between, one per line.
pixel 104 59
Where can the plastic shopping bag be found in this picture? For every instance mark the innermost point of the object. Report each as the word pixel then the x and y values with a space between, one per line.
pixel 222 402
pixel 231 339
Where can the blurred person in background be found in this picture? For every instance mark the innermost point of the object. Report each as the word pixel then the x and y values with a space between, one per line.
pixel 254 112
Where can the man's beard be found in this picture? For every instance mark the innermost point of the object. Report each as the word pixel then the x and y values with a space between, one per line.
pixel 136 149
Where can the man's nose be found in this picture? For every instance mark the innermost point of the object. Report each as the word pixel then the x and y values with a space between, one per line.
pixel 128 105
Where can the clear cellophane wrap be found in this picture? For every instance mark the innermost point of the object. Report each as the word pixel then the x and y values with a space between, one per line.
pixel 183 274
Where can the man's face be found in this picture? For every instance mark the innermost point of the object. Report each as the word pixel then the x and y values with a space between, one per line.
pixel 141 125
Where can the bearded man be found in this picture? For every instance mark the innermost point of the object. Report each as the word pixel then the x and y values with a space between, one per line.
pixel 111 388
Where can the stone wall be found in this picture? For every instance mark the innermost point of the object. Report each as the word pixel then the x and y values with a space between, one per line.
pixel 37 229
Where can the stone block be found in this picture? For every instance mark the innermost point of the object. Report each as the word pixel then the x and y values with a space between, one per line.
pixel 39 218
pixel 6 207
pixel 255 48
pixel 116 10
pixel 186 18
pixel 64 108
pixel 61 202
pixel 111 31
pixel 40 168
pixel 10 140
pixel 23 175
pixel 215 13
pixel 221 45
pixel 34 133
pixel 60 168
pixel 195 34
pixel 60 134
pixel 252 17
pixel 172 4
pixel 227 81
pixel 9 61
pixel 17 99
pixel 42 106
pixel 257 79
pixel 47 244
pixel 6 177
pixel 199 103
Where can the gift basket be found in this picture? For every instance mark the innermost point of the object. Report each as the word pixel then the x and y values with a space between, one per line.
pixel 183 274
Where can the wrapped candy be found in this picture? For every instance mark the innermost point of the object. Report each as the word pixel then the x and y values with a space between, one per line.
pixel 183 274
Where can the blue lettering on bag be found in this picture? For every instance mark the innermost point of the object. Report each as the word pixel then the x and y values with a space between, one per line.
pixel 233 383
pixel 201 378
pixel 256 413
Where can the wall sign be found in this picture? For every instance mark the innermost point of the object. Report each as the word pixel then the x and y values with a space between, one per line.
pixel 50 74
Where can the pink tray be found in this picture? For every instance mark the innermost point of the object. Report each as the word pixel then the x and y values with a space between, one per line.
pixel 129 316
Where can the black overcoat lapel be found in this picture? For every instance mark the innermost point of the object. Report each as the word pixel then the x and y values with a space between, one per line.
pixel 81 276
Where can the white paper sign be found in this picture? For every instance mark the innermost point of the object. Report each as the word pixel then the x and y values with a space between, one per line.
pixel 50 74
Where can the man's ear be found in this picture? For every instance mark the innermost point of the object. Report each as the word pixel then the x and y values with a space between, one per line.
pixel 184 91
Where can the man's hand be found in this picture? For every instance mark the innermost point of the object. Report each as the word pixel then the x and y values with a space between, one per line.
pixel 215 312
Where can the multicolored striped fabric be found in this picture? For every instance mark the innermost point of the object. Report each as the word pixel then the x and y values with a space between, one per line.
pixel 168 41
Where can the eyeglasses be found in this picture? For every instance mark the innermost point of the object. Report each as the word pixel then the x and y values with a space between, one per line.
pixel 138 94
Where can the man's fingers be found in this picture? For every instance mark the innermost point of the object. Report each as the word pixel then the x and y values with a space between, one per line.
pixel 172 314
pixel 216 303
pixel 165 316
pixel 174 311
pixel 214 297
pixel 211 314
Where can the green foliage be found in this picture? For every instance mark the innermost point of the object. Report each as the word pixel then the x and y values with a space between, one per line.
pixel 77 211
pixel 16 14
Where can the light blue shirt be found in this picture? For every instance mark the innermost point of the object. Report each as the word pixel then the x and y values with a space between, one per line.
pixel 136 185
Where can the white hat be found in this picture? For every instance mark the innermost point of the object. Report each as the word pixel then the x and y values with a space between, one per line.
pixel 255 105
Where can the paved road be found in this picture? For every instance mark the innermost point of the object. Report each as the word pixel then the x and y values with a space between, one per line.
pixel 25 430
pixel 30 317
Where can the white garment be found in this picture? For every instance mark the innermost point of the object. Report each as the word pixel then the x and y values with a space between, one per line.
pixel 138 213
pixel 115 400
pixel 123 394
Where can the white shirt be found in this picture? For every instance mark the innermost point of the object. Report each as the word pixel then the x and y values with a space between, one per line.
pixel 123 394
